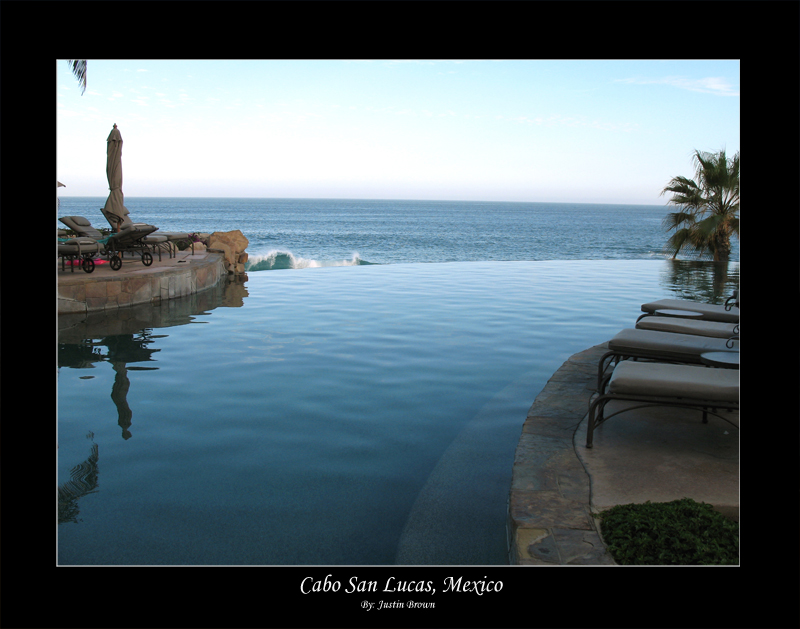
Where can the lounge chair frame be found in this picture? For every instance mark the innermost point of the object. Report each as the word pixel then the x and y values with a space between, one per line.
pixel 72 249
pixel 598 417
pixel 131 239
pixel 702 308
pixel 172 238
pixel 718 333
pixel 133 243
pixel 597 405
pixel 678 359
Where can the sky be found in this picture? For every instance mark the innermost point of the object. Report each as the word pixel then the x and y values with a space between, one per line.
pixel 594 131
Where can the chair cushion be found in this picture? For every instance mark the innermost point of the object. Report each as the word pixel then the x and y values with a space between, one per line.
pixel 134 232
pixel 710 312
pixel 82 226
pixel 678 381
pixel 716 329
pixel 667 345
pixel 75 245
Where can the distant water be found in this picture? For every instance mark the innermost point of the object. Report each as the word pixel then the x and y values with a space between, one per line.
pixel 306 417
pixel 306 233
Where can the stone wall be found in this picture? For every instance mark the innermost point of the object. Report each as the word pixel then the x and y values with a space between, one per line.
pixel 89 292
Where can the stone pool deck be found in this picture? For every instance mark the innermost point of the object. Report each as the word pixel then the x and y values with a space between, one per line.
pixel 134 283
pixel 655 454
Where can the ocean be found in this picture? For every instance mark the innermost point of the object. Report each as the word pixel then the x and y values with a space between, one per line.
pixel 357 398
pixel 300 233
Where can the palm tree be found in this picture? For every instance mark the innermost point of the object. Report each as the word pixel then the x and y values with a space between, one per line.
pixel 79 70
pixel 709 207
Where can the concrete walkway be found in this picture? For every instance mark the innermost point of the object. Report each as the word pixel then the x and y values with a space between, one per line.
pixel 655 454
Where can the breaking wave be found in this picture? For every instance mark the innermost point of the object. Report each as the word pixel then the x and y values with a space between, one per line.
pixel 275 260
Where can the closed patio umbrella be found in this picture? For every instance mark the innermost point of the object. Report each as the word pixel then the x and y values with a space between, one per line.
pixel 115 202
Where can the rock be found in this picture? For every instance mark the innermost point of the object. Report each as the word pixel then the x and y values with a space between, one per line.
pixel 232 244
pixel 234 239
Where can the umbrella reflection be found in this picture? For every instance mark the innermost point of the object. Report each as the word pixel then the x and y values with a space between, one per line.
pixel 124 341
pixel 122 349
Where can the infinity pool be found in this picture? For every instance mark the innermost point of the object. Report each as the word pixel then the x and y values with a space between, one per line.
pixel 309 416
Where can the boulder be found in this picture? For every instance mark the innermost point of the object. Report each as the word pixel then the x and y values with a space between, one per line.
pixel 232 244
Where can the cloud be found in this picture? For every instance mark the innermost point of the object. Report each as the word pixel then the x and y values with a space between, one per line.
pixel 707 85
pixel 570 121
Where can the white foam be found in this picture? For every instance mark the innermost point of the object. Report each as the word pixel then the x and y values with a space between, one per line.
pixel 272 260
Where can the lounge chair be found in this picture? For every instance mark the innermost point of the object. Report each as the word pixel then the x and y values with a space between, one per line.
pixel 727 313
pixel 662 347
pixel 677 325
pixel 166 240
pixel 130 238
pixel 158 242
pixel 658 384
pixel 74 249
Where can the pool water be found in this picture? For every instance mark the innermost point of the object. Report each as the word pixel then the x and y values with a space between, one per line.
pixel 339 415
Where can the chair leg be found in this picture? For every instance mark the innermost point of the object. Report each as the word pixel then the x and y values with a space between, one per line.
pixel 590 426
pixel 595 417
pixel 601 367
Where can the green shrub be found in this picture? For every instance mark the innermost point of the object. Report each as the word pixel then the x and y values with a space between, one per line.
pixel 681 532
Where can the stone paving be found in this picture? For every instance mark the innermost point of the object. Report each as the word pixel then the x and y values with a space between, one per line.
pixel 549 518
pixel 656 454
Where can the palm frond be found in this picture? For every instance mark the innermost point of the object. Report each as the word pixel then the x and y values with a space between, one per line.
pixel 674 220
pixel 708 226
pixel 78 67
pixel 677 242
pixel 709 206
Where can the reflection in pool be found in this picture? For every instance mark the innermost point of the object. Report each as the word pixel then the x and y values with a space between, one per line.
pixel 301 417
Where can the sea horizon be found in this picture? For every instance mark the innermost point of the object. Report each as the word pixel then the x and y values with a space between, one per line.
pixel 314 232
pixel 348 198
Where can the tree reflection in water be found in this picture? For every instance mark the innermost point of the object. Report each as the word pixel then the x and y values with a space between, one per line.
pixel 82 481
pixel 708 282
